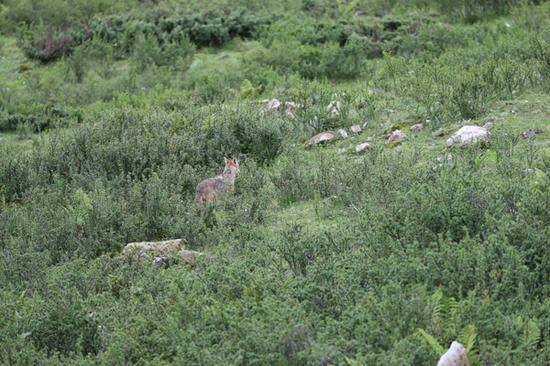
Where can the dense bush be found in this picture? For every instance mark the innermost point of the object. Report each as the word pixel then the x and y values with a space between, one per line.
pixel 162 30
pixel 207 29
pixel 364 253
pixel 48 46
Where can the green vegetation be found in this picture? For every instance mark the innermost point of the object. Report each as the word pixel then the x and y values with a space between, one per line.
pixel 111 112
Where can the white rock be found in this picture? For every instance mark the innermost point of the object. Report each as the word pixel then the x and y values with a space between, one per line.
pixel 271 104
pixel 455 356
pixel 396 136
pixel 342 133
pixel 361 148
pixel 468 135
pixel 417 127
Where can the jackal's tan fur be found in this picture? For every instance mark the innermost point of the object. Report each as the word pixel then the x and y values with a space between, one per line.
pixel 209 190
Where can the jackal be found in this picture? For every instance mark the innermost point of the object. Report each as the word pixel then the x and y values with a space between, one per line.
pixel 209 190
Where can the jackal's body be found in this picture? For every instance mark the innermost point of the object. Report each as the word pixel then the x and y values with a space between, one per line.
pixel 209 190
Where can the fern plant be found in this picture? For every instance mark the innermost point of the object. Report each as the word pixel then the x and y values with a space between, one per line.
pixel 444 319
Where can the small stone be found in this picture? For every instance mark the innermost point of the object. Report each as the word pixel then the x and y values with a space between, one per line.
pixel 356 129
pixel 271 104
pixel 320 138
pixel 361 148
pixel 438 133
pixel 531 133
pixel 455 356
pixel 341 151
pixel 468 135
pixel 417 127
pixel 396 136
pixel 342 133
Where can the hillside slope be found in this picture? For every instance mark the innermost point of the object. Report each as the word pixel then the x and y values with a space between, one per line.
pixel 112 113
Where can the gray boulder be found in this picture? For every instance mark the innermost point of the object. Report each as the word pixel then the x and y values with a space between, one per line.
pixel 362 148
pixel 320 138
pixel 467 135
pixel 271 104
pixel 342 133
pixel 396 136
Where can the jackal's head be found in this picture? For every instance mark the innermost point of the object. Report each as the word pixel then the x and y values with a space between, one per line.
pixel 231 166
